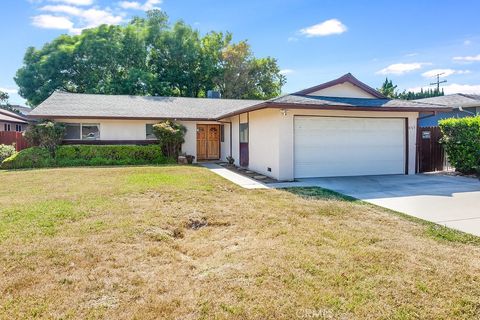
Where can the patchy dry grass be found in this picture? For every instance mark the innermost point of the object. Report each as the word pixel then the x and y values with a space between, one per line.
pixel 181 243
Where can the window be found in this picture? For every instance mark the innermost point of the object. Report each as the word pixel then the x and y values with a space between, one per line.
pixel 149 132
pixel 72 131
pixel 243 132
pixel 18 127
pixel 6 127
pixel 82 131
pixel 222 133
pixel 90 131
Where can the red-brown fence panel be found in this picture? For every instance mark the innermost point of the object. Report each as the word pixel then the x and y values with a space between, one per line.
pixel 13 138
pixel 431 155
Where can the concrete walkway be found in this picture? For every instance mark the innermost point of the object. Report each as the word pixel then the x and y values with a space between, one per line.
pixel 236 178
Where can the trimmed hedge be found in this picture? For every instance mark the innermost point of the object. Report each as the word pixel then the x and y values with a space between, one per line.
pixel 461 140
pixel 86 155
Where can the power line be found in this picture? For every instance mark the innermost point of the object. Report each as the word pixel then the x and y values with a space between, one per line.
pixel 437 83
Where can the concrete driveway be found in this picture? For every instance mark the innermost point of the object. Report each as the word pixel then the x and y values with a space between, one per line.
pixel 446 200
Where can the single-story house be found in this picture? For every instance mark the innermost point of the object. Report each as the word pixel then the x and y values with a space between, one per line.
pixel 12 121
pixel 463 105
pixel 339 128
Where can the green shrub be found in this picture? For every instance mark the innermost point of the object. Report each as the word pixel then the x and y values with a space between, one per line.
pixel 47 134
pixel 34 157
pixel 170 135
pixel 6 151
pixel 86 155
pixel 461 140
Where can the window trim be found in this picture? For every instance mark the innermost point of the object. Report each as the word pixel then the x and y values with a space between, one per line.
pixel 81 124
pixel 146 137
pixel 245 126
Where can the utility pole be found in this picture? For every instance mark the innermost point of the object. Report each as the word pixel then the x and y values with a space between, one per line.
pixel 437 83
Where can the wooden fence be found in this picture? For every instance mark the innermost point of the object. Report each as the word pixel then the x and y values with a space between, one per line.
pixel 431 155
pixel 13 138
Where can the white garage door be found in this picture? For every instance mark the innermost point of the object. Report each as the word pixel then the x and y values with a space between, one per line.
pixel 335 146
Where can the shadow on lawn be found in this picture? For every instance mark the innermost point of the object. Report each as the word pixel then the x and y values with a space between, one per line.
pixel 433 230
pixel 320 193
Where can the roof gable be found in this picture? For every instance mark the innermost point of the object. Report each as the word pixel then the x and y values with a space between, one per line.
pixel 347 86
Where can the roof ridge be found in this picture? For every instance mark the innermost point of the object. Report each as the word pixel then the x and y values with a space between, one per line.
pixel 148 96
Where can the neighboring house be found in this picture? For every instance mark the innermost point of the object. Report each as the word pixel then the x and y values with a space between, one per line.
pixel 11 121
pixel 23 110
pixel 339 128
pixel 469 103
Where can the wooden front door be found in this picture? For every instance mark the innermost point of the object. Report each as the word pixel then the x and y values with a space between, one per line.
pixel 208 142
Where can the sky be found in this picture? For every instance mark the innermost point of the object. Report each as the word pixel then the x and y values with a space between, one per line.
pixel 408 41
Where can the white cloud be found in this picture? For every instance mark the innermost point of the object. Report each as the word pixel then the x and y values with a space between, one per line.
pixel 75 2
pixel 326 28
pixel 9 90
pixel 96 17
pixel 148 5
pixel 47 21
pixel 401 68
pixel 292 39
pixel 286 71
pixel 467 58
pixel 443 72
pixel 412 54
pixel 62 9
pixel 467 42
pixel 77 20
pixel 454 88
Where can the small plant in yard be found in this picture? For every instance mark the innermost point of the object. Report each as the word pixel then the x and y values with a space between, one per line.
pixel 6 151
pixel 47 135
pixel 190 158
pixel 170 135
pixel 230 160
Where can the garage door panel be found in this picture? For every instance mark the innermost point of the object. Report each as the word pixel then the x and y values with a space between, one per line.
pixel 327 146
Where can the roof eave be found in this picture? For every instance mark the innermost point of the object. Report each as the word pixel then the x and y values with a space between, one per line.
pixel 53 117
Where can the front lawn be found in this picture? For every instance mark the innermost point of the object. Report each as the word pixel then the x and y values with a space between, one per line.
pixel 182 243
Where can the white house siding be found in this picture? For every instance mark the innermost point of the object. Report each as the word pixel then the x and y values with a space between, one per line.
pixel 271 140
pixel 134 130
pixel 346 90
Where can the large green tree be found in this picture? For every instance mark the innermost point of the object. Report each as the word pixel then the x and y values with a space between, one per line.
pixel 148 56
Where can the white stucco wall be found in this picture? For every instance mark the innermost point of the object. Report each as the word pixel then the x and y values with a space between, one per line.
pixel 346 90
pixel 271 141
pixel 134 130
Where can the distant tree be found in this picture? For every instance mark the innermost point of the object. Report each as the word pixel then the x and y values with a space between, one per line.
pixel 148 56
pixel 246 77
pixel 428 93
pixel 388 89
pixel 4 104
